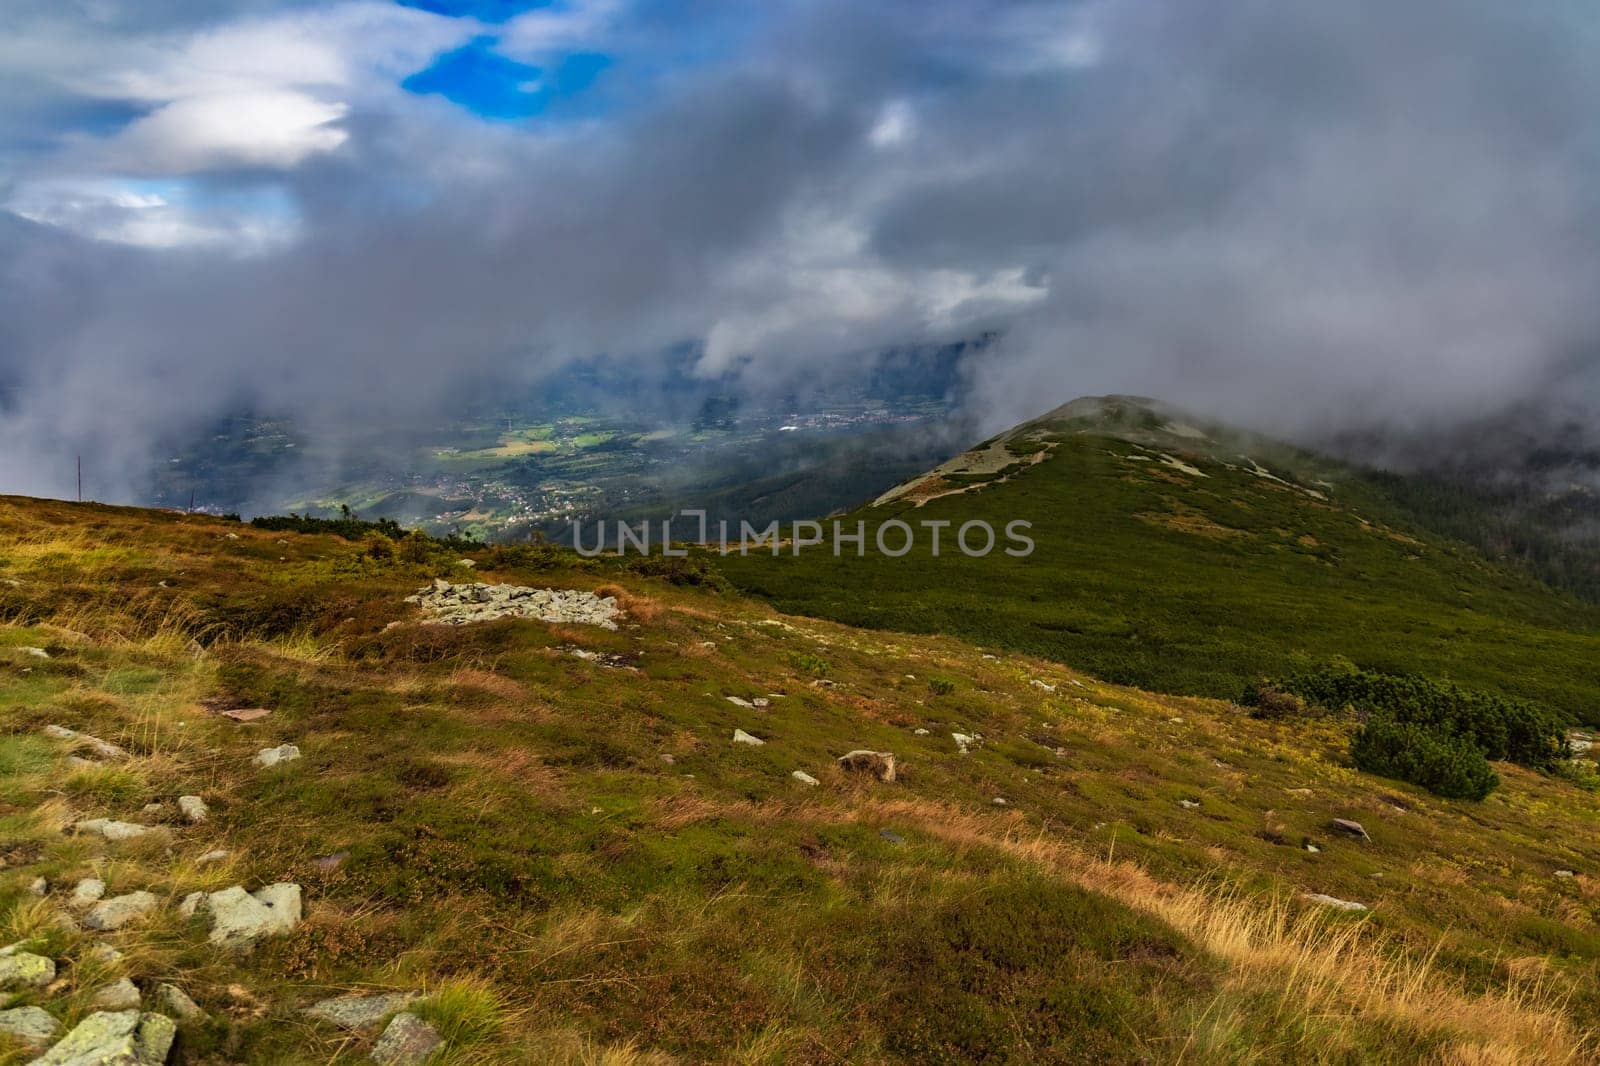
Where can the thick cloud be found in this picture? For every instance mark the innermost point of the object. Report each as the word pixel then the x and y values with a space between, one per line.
pixel 1307 215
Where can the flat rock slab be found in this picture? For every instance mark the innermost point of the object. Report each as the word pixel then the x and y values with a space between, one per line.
pixel 458 605
pixel 34 1026
pixel 741 737
pixel 112 829
pixel 119 911
pixel 240 918
pixel 114 1038
pixel 1355 829
pixel 360 1011
pixel 1335 902
pixel 102 748
pixel 246 714
pixel 23 969
pixel 408 1041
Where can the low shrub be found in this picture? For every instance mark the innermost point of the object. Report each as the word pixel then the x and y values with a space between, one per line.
pixel 1265 699
pixel 1441 762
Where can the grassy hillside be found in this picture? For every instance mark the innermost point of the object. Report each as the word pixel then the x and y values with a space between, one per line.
pixel 1191 558
pixel 570 861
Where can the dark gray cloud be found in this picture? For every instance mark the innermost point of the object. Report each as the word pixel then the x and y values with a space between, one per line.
pixel 1306 215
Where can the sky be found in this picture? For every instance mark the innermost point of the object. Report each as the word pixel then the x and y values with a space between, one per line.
pixel 1311 217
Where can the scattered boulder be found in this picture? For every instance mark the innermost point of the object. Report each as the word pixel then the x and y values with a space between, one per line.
pixel 740 701
pixel 1036 683
pixel 215 855
pixel 360 1010
pixel 119 911
pixel 176 1002
pixel 23 969
pixel 33 1026
pixel 1000 801
pixel 118 995
pixel 964 742
pixel 114 1038
pixel 100 747
pixel 38 887
pixel 36 653
pixel 111 829
pixel 805 778
pixel 891 837
pixel 1335 902
pixel 105 954
pixel 741 737
pixel 880 764
pixel 240 918
pixel 1565 874
pixel 87 892
pixel 1189 805
pixel 190 904
pixel 919 732
pixel 458 605
pixel 153 810
pixel 269 757
pixel 407 1041
pixel 1353 828
pixel 194 809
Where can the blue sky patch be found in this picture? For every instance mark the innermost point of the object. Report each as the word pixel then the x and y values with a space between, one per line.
pixel 492 86
pixel 482 10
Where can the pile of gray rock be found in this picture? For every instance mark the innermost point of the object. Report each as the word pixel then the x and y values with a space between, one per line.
pixel 458 605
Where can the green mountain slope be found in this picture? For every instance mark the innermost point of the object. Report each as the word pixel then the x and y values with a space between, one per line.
pixel 1189 557
pixel 549 841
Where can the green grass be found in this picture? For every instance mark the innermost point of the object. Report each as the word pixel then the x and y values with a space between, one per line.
pixel 1146 576
pixel 520 854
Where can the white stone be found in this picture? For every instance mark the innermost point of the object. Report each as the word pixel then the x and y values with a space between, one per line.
pixel 269 757
pixel 88 891
pixel 240 918
pixel 33 1026
pixel 1332 901
pixel 805 778
pixel 407 1041
pixel 122 994
pixel 112 829
pixel 23 969
pixel 194 809
pixel 359 1011
pixel 741 737
pixel 114 913
pixel 176 1001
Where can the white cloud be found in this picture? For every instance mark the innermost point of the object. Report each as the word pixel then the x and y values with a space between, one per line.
pixel 262 92
pixel 264 128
